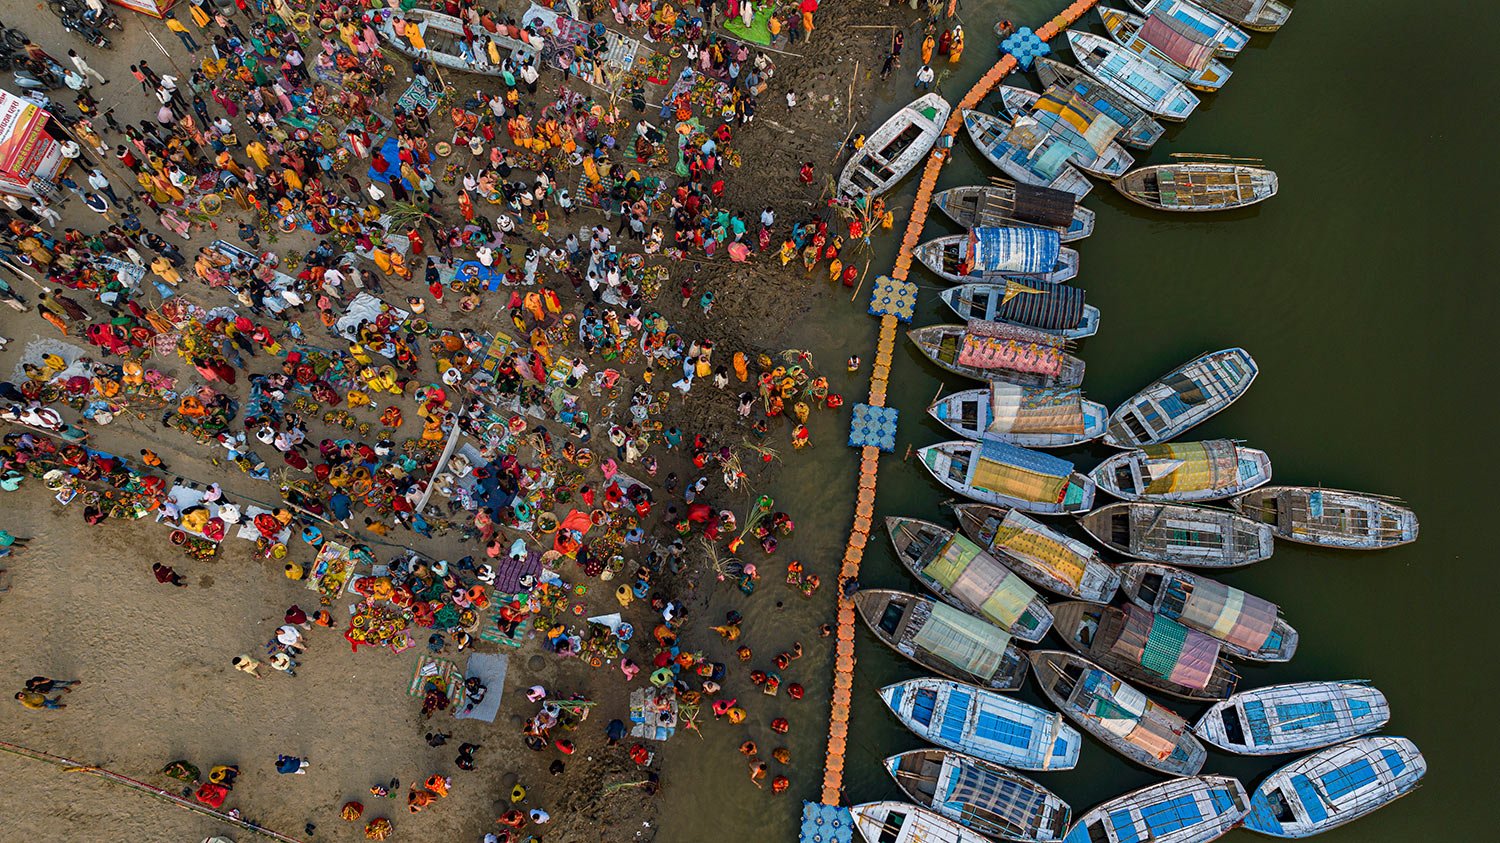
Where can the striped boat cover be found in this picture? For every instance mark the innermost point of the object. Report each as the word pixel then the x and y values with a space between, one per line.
pixel 1161 645
pixel 1024 409
pixel 1025 538
pixel 963 640
pixel 1016 249
pixel 1092 93
pixel 986 352
pixel 976 579
pixel 1051 307
pixel 995 799
pixel 1228 614
pixel 1178 40
pixel 1073 116
pixel 1199 465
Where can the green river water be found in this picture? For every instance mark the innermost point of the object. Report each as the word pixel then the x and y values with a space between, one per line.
pixel 1361 299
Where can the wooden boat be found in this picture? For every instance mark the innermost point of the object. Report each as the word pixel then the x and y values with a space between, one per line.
pixel 1182 398
pixel 1256 15
pixel 898 822
pixel 1028 156
pixel 1245 625
pixel 1195 809
pixel 1015 203
pixel 1089 131
pixel 1138 80
pixel 1141 129
pixel 1147 649
pixel 1335 786
pixel 1044 557
pixel 1184 472
pixel 444 36
pixel 993 253
pixel 1189 536
pixel 1295 717
pixel 989 726
pixel 1331 517
pixel 1181 51
pixel 1053 308
pixel 1027 416
pixel 1227 39
pixel 942 639
pixel 958 570
pixel 981 796
pixel 1197 186
pixel 896 148
pixel 1119 715
pixel 993 351
pixel 1005 475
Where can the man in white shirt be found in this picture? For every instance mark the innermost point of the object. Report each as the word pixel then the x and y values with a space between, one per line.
pixel 376 194
pixel 83 67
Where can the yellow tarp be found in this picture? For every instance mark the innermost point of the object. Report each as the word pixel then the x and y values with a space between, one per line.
pixel 1017 482
pixel 1017 537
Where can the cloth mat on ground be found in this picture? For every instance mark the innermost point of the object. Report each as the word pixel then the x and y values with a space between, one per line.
pixel 490 669
pixel 440 668
pixel 490 631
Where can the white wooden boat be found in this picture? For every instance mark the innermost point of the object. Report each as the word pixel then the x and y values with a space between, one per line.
pixel 1150 650
pixel 943 639
pixel 1335 786
pixel 1246 625
pixel 1184 472
pixel 1119 715
pixel 992 727
pixel 1331 517
pixel 994 351
pixel 1054 308
pixel 1005 475
pixel 1228 39
pixel 1295 717
pixel 1147 86
pixel 896 148
pixel 1141 129
pixel 1183 52
pixel 1256 15
pixel 1191 186
pixel 981 796
pixel 1026 154
pixel 1177 534
pixel 992 253
pixel 1046 558
pixel 898 822
pixel 444 40
pixel 1032 417
pixel 956 569
pixel 1193 809
pixel 1089 131
pixel 1015 203
pixel 1182 398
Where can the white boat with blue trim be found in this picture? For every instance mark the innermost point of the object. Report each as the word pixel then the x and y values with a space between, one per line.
pixel 1294 717
pixel 981 796
pixel 1193 809
pixel 986 725
pixel 1032 417
pixel 1335 786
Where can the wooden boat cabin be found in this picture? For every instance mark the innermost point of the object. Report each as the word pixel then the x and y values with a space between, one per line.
pixel 1015 203
pixel 1331 517
pixel 1177 534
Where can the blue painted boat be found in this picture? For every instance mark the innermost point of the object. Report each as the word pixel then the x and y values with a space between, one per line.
pixel 1147 86
pixel 981 796
pixel 1141 129
pixel 1182 398
pixel 1196 809
pixel 1026 153
pixel 1294 717
pixel 1228 40
pixel 986 725
pixel 1335 786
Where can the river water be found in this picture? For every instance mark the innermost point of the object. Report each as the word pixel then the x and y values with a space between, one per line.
pixel 1361 299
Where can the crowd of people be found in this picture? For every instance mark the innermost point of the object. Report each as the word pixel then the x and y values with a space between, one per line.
pixel 488 266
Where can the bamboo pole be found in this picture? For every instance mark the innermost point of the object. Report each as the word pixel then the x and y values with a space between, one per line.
pixel 861 283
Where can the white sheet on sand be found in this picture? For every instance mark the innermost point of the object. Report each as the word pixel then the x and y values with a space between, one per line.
pixel 490 668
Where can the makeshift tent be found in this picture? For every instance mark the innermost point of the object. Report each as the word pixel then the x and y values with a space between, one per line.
pixel 1020 249
pixel 1024 409
pixel 154 8
pixel 1161 645
pixel 1190 466
pixel 1018 473
pixel 974 577
pixel 1227 613
pixel 1126 713
pixel 29 157
pixel 963 640
pixel 1025 539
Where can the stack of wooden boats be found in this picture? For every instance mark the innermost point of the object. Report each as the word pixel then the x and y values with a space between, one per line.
pixel 1145 617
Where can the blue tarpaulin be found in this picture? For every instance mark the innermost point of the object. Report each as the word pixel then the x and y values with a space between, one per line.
pixel 1019 249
